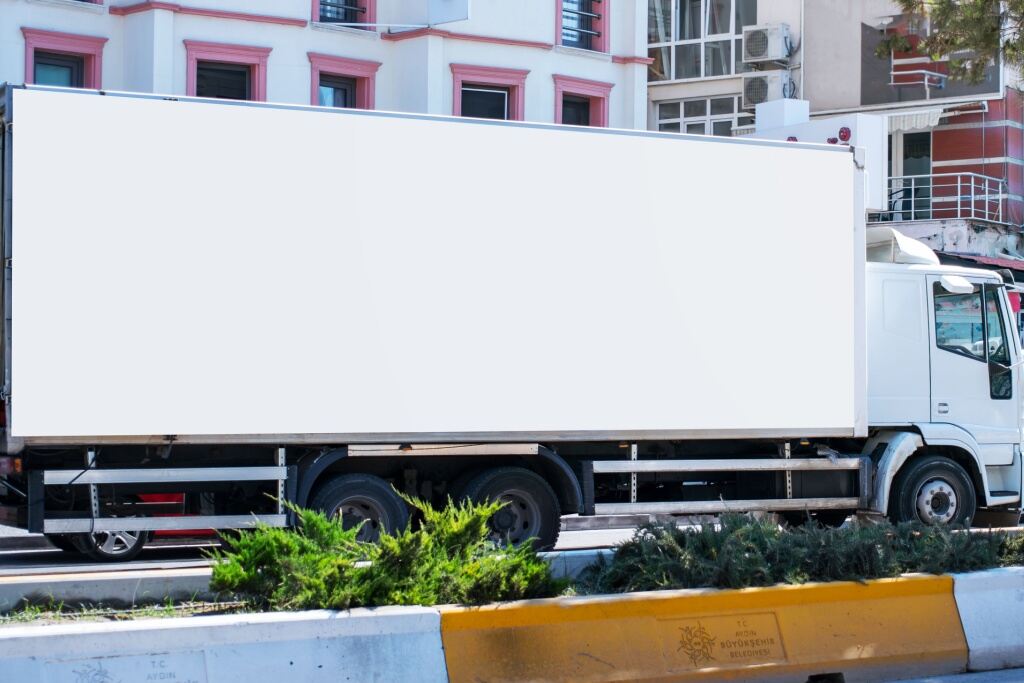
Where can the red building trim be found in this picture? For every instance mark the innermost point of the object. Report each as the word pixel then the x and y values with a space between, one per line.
pixel 602 42
pixel 151 5
pixel 89 48
pixel 363 71
pixel 597 92
pixel 513 79
pixel 254 57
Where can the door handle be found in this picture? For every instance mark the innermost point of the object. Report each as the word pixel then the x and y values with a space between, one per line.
pixel 943 409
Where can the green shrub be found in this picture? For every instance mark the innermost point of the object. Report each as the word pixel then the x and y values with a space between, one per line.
pixel 448 559
pixel 740 552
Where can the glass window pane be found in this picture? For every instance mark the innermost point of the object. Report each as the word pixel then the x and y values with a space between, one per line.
pixel 669 127
pixel 695 108
pixel 668 110
pixel 746 14
pixel 688 61
pixel 576 23
pixel 997 350
pixel 689 19
pixel 659 21
pixel 336 91
pixel 958 323
pixel 485 103
pixel 223 81
pixel 696 128
pixel 717 58
pixel 718 16
pixel 723 105
pixel 575 110
pixel 745 121
pixel 53 74
pixel 658 70
pixel 722 128
pixel 740 67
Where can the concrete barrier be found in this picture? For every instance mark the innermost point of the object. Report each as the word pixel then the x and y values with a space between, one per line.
pixel 385 645
pixel 891 628
pixel 991 606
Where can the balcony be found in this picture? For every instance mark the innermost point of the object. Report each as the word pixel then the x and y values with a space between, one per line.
pixel 342 12
pixel 945 196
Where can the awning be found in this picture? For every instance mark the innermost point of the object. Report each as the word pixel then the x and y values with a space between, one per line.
pixel 914 119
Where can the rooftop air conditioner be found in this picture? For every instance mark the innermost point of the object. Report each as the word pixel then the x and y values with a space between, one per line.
pixel 764 86
pixel 766 43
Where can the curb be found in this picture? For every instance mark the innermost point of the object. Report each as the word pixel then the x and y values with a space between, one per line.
pixel 989 604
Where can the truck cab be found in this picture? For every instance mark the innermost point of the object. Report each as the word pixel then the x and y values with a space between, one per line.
pixel 943 370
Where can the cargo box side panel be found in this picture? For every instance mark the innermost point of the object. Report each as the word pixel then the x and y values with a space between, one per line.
pixel 190 268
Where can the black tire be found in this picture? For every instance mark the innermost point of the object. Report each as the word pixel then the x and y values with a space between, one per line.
pixel 362 497
pixel 113 546
pixel 933 490
pixel 532 510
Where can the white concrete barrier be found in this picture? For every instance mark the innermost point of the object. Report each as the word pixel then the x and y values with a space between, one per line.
pixel 991 606
pixel 385 644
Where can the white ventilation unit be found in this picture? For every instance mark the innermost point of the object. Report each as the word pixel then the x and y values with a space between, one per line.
pixel 766 43
pixel 764 86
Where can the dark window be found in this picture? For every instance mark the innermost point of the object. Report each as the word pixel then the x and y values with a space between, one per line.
pixel 336 91
pixel 485 102
pixel 57 69
pixel 917 161
pixel 580 21
pixel 575 110
pixel 224 81
pixel 342 12
pixel 746 14
pixel 1000 377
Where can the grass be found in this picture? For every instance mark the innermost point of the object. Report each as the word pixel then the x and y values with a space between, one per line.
pixel 53 612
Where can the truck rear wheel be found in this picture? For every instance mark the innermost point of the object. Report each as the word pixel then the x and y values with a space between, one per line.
pixel 933 490
pixel 531 509
pixel 362 499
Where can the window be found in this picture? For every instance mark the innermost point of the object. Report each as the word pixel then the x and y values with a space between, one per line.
pixel 236 72
pixel 704 116
pixel 223 81
pixel 963 327
pixel 342 82
pixel 335 91
pixel 56 69
pixel 482 102
pixel 63 59
pixel 488 92
pixel 346 12
pixel 583 24
pixel 697 38
pixel 581 102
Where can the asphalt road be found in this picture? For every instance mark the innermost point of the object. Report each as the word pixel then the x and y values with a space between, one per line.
pixel 1007 676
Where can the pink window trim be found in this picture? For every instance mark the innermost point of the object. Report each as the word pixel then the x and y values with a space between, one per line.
pixel 150 5
pixel 254 57
pixel 513 79
pixel 597 91
pixel 602 42
pixel 369 5
pixel 363 71
pixel 89 48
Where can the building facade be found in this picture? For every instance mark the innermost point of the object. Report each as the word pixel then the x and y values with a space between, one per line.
pixel 956 151
pixel 567 61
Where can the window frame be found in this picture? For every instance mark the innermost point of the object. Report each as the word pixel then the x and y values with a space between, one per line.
pixel 362 71
pixel 708 119
pixel 76 64
pixel 598 92
pixel 88 48
pixel 245 55
pixel 733 37
pixel 599 43
pixel 513 79
pixel 369 13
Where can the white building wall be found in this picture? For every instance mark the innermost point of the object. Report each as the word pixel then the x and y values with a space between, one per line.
pixel 146 52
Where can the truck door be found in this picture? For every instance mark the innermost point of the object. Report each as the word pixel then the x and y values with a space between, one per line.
pixel 972 367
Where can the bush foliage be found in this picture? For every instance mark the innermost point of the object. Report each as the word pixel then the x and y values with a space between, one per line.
pixel 741 552
pixel 449 559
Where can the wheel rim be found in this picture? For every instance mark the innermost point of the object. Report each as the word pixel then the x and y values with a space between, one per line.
pixel 519 519
pixel 114 543
pixel 937 502
pixel 366 511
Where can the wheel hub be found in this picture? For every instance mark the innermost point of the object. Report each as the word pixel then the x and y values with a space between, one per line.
pixel 937 502
pixel 116 542
pixel 518 519
pixel 358 511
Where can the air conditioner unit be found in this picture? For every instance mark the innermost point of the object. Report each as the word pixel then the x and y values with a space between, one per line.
pixel 764 86
pixel 766 43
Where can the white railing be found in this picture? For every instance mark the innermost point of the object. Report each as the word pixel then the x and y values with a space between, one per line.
pixel 943 196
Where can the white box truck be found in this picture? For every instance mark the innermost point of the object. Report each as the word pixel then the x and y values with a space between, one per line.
pixel 207 301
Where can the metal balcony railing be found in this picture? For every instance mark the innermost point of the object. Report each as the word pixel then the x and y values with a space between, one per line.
pixel 341 12
pixel 945 196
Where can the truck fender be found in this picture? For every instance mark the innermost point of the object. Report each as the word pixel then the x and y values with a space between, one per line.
pixel 563 480
pixel 945 434
pixel 311 468
pixel 899 446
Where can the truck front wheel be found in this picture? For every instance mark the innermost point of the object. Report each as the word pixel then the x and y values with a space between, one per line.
pixel 933 490
pixel 531 507
pixel 362 499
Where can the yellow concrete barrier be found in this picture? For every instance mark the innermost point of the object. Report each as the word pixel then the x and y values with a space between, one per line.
pixel 907 626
